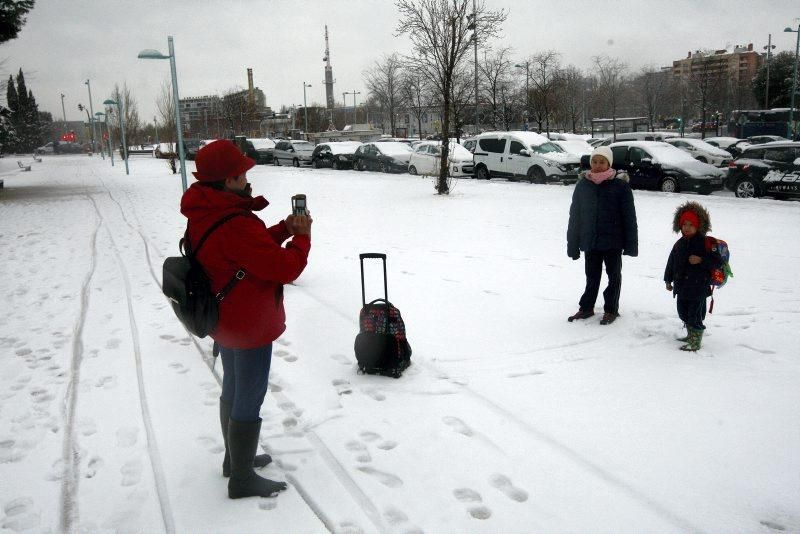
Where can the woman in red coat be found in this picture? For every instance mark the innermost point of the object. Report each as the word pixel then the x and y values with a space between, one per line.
pixel 251 314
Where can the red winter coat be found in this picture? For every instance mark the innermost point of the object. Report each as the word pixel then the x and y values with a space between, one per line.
pixel 252 313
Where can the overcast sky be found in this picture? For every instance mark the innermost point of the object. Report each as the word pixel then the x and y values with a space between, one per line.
pixel 67 41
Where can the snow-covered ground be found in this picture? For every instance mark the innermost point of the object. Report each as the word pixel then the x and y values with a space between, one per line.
pixel 509 420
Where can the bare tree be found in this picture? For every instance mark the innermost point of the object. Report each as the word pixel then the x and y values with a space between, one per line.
pixel 415 95
pixel 462 100
pixel 496 73
pixel 384 81
pixel 440 36
pixel 166 109
pixel 570 97
pixel 652 87
pixel 545 67
pixel 611 83
pixel 705 79
pixel 133 125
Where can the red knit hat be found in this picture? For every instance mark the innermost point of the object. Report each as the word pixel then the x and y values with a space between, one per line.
pixel 220 160
pixel 690 216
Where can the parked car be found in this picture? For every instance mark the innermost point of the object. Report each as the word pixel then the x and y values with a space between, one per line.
pixel 527 155
pixel 596 141
pixel 701 151
pixel 190 147
pixel 385 156
pixel 264 149
pixel 48 148
pixel 470 144
pixel 336 155
pixel 731 145
pixel 766 169
pixel 60 147
pixel 427 157
pixel 576 147
pixel 661 166
pixel 294 152
pixel 639 136
pixel 760 139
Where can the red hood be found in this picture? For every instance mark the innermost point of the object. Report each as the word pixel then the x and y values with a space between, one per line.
pixel 200 201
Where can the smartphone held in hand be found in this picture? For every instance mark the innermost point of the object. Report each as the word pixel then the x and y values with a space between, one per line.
pixel 299 205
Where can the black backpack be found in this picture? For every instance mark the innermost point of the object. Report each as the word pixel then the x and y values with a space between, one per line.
pixel 188 288
pixel 381 345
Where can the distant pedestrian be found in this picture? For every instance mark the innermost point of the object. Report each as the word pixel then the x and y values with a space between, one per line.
pixel 688 271
pixel 251 314
pixel 602 224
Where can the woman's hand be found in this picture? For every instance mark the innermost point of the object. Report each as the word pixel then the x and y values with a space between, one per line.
pixel 299 224
pixel 669 286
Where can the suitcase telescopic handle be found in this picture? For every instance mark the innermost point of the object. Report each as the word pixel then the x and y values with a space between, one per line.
pixel 377 256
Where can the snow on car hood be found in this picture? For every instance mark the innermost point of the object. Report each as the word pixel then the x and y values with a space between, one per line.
pixel 675 158
pixel 394 149
pixel 343 148
pixel 303 148
pixel 561 157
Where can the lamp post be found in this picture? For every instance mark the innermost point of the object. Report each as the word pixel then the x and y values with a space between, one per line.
pixel 305 109
pixel 91 110
pixel 110 102
pixel 155 54
pixel 791 129
pixel 98 114
pixel 110 141
pixel 63 114
pixel 527 66
pixel 769 49
pixel 155 123
pixel 354 93
pixel 473 25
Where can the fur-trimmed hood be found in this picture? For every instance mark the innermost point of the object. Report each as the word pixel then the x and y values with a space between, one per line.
pixel 697 209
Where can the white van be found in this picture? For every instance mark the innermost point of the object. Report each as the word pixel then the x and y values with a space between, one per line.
pixel 526 155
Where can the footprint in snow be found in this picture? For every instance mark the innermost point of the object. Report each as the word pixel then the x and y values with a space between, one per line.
pixel 387 479
pixel 394 516
pixel 773 525
pixel 458 425
pixel 375 394
pixel 283 342
pixel 503 483
pixel 210 444
pixel 285 355
pixel 127 436
pixel 342 386
pixel 93 466
pixel 341 358
pixel 131 472
pixel 179 368
pixel 20 515
pixel 362 454
pixel 113 343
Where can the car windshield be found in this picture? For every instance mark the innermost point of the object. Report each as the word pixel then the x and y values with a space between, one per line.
pixel 702 145
pixel 263 143
pixel 302 145
pixel 669 154
pixel 393 148
pixel 575 147
pixel 545 148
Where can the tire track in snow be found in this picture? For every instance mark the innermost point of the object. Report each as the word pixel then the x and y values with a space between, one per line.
pixel 152 446
pixel 70 455
pixel 566 451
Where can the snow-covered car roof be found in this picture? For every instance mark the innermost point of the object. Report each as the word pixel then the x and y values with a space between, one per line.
pixel 393 147
pixel 575 146
pixel 342 147
pixel 661 151
pixel 262 143
pixel 456 150
pixel 698 143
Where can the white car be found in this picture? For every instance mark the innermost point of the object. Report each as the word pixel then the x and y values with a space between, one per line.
pixel 702 151
pixel 292 152
pixel 427 157
pixel 577 147
pixel 527 155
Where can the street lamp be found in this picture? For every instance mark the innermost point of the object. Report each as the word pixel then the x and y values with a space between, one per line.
pixel 110 140
pixel 155 54
pixel 791 129
pixel 98 114
pixel 91 110
pixel 305 108
pixel 110 102
pixel 63 114
pixel 527 66
pixel 769 48
pixel 354 93
pixel 155 122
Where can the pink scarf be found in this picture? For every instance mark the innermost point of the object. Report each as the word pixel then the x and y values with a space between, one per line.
pixel 599 177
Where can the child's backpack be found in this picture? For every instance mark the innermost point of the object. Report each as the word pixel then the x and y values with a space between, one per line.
pixel 381 345
pixel 188 288
pixel 719 275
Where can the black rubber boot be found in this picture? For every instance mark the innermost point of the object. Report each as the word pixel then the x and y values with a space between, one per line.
pixel 260 460
pixel 244 482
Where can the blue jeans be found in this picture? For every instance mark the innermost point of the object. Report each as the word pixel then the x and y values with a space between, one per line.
pixel 244 381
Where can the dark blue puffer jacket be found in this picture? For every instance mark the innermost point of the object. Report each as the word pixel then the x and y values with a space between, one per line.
pixel 602 217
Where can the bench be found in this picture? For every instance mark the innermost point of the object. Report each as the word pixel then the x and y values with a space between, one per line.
pixel 23 167
pixel 37 158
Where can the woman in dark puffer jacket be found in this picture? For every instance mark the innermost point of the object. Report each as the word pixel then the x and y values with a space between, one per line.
pixel 602 224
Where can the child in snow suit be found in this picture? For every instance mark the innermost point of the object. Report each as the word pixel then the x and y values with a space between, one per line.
pixel 688 271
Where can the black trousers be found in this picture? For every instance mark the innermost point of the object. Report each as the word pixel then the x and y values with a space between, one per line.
pixel 692 312
pixel 594 261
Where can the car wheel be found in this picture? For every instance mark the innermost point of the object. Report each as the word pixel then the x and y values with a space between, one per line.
pixel 412 170
pixel 669 185
pixel 482 173
pixel 746 188
pixel 383 167
pixel 295 162
pixel 536 175
pixel 359 165
pixel 335 166
pixel 315 164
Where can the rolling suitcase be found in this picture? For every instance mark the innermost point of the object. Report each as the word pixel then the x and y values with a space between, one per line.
pixel 381 345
